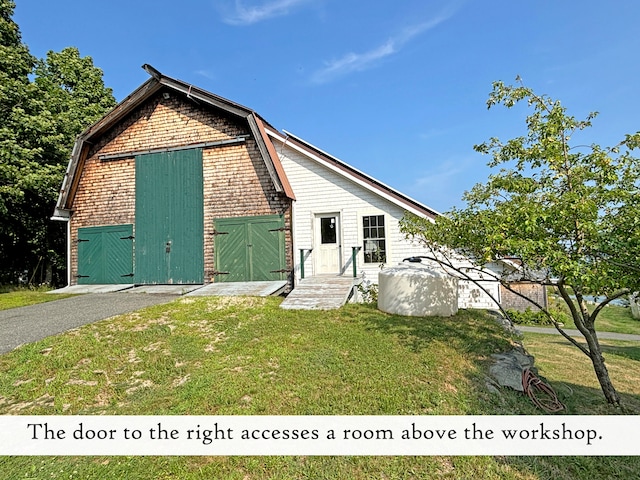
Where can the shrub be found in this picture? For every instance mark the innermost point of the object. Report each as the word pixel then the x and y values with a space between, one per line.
pixel 536 317
pixel 368 291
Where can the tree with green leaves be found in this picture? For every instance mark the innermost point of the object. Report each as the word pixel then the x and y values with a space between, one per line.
pixel 564 215
pixel 16 63
pixel 44 105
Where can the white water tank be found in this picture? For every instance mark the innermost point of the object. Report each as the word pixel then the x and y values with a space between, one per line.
pixel 417 291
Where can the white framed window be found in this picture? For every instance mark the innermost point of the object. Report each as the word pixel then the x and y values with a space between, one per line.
pixel 374 237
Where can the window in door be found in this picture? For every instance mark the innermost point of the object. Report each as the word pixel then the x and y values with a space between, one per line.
pixel 328 230
pixel 375 243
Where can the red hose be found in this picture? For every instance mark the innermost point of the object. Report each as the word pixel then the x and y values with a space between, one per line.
pixel 540 393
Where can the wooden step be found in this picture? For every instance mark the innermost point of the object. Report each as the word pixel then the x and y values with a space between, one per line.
pixel 325 292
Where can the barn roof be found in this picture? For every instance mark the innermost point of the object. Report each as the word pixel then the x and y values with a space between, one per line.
pixel 262 132
pixel 135 99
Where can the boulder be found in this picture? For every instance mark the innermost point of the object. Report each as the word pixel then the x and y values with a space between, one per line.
pixel 507 368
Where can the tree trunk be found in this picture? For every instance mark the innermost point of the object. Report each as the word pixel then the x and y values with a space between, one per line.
pixel 585 322
pixel 595 353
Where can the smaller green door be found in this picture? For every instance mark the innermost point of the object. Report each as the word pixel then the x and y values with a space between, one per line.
pixel 250 248
pixel 105 255
pixel 231 251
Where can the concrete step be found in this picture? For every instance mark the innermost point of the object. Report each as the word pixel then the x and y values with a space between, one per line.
pixel 251 289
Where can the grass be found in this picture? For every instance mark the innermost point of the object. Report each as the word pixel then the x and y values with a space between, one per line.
pixel 613 318
pixel 13 297
pixel 617 319
pixel 246 356
pixel 253 358
pixel 571 374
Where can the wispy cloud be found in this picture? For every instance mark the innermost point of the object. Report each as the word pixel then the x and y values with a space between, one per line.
pixel 356 62
pixel 445 176
pixel 206 74
pixel 442 184
pixel 243 14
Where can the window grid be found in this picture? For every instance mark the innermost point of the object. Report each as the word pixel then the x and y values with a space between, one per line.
pixel 375 244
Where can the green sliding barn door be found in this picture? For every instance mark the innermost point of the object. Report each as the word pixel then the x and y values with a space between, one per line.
pixel 169 218
pixel 250 248
pixel 105 255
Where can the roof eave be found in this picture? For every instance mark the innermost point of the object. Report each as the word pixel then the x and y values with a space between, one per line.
pixel 123 108
pixel 278 175
pixel 348 171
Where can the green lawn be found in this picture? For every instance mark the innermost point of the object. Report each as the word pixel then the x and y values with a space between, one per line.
pixel 617 319
pixel 12 297
pixel 613 318
pixel 246 356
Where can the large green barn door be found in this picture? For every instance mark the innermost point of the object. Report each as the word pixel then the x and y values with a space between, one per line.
pixel 169 218
pixel 105 254
pixel 250 248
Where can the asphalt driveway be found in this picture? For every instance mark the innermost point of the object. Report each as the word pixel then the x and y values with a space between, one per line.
pixel 575 333
pixel 35 322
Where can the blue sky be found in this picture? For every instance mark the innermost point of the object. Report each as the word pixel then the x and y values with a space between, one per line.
pixel 395 88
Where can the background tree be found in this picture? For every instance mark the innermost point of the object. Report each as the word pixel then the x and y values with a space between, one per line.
pixel 567 216
pixel 16 63
pixel 44 105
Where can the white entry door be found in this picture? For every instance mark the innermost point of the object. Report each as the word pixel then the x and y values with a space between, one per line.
pixel 327 243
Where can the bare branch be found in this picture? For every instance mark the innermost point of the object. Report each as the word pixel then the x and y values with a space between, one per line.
pixel 465 276
pixel 607 301
pixel 550 317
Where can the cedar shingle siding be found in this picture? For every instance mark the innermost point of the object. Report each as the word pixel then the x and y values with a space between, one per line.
pixel 236 180
pixel 534 291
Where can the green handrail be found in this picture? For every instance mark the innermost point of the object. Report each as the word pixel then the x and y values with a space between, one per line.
pixel 302 250
pixel 354 256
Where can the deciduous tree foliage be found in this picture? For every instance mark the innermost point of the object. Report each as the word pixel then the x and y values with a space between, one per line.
pixel 566 214
pixel 44 105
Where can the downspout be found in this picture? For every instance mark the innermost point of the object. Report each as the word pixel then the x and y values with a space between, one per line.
pixel 294 243
pixel 68 253
pixel 294 236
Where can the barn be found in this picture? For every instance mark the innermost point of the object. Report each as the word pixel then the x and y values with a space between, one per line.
pixel 176 186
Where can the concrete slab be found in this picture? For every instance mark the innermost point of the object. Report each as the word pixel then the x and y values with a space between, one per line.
pixel 92 288
pixel 163 289
pixel 249 289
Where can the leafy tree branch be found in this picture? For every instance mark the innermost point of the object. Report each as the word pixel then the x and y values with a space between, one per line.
pixel 567 215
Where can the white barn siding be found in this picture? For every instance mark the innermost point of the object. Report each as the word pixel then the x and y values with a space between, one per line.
pixel 471 296
pixel 321 190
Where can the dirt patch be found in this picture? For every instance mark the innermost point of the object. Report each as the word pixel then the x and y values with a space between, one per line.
pixel 137 385
pixel 77 381
pixel 152 347
pixel 82 363
pixel 222 303
pixel 132 357
pixel 17 383
pixel 181 381
pixel 43 401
